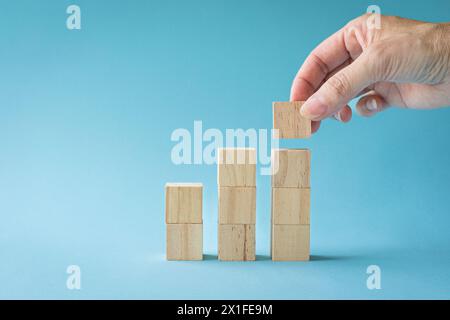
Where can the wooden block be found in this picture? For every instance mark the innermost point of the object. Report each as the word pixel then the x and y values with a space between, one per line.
pixel 236 167
pixel 290 242
pixel 184 202
pixel 289 122
pixel 184 241
pixel 237 205
pixel 291 168
pixel 236 242
pixel 291 205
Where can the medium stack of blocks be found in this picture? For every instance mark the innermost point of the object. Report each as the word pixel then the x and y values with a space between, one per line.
pixel 236 178
pixel 290 239
pixel 184 222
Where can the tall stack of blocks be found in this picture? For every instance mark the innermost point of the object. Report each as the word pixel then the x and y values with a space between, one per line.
pixel 290 239
pixel 184 222
pixel 236 178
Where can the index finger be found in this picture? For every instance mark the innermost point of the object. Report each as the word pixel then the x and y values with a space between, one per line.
pixel 326 57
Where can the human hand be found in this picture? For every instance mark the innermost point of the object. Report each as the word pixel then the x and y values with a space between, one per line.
pixel 405 63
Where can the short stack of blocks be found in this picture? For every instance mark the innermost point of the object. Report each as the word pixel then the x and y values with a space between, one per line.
pixel 184 223
pixel 236 178
pixel 291 194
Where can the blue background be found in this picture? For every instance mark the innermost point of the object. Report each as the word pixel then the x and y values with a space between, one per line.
pixel 85 124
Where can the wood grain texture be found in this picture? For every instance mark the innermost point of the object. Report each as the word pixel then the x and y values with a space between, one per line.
pixel 288 120
pixel 184 241
pixel 237 205
pixel 236 242
pixel 290 242
pixel 291 205
pixel 236 167
pixel 184 202
pixel 291 168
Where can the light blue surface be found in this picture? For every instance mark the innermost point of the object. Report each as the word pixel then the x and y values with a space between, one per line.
pixel 85 124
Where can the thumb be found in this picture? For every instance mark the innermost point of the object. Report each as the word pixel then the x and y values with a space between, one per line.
pixel 338 90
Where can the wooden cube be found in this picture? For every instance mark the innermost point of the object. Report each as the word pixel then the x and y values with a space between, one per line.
pixel 184 202
pixel 184 241
pixel 236 167
pixel 288 120
pixel 236 242
pixel 291 168
pixel 290 205
pixel 237 205
pixel 290 242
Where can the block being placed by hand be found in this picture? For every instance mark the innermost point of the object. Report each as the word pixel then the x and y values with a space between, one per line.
pixel 288 120
pixel 184 241
pixel 237 205
pixel 291 168
pixel 184 202
pixel 290 242
pixel 290 205
pixel 236 242
pixel 236 167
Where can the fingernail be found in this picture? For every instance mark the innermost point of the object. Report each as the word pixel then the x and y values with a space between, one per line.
pixel 313 109
pixel 337 116
pixel 371 105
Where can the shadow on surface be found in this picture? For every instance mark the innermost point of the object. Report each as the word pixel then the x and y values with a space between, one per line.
pixel 262 257
pixel 331 258
pixel 209 257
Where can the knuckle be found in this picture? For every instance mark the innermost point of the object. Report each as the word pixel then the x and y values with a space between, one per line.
pixel 364 18
pixel 319 63
pixel 360 19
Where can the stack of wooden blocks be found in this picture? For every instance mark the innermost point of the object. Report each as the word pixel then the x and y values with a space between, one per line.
pixel 236 178
pixel 290 187
pixel 184 222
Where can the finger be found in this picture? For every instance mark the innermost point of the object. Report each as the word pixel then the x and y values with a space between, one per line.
pixel 364 92
pixel 371 104
pixel 337 69
pixel 343 115
pixel 316 68
pixel 337 91
pixel 306 91
pixel 330 54
pixel 315 125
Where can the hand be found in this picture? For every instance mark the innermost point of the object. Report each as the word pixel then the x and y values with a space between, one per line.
pixel 405 63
